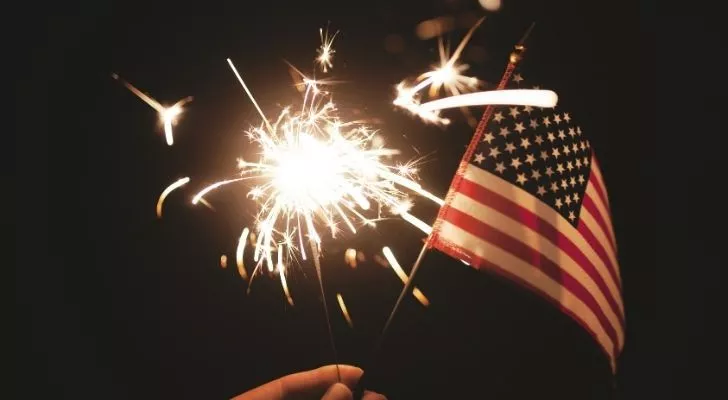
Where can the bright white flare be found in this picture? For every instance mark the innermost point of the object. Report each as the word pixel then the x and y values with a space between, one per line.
pixel 326 51
pixel 316 171
pixel 523 97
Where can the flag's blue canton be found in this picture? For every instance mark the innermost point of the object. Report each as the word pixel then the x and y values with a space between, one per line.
pixel 541 150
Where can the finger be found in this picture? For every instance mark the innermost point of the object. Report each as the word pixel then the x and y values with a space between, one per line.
pixel 311 383
pixel 315 382
pixel 338 391
pixel 372 396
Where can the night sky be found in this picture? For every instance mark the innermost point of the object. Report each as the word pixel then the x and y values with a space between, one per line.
pixel 120 304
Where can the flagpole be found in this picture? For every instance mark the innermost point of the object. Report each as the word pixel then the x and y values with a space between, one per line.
pixel 514 58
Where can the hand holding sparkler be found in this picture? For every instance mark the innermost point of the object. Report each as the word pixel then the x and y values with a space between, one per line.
pixel 319 383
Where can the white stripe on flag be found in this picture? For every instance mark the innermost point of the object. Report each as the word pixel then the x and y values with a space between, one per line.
pixel 592 193
pixel 591 224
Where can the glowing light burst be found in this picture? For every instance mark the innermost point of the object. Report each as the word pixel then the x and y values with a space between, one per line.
pixel 168 116
pixel 316 172
pixel 326 51
pixel 448 75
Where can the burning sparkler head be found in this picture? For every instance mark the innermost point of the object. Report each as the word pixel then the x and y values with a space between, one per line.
pixel 168 115
pixel 317 170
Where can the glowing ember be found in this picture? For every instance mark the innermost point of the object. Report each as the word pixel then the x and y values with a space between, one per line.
pixel 326 51
pixel 167 115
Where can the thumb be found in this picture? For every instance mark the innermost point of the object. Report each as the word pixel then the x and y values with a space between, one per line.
pixel 338 391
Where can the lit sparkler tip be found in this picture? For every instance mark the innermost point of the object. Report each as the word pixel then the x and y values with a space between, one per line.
pixel 315 172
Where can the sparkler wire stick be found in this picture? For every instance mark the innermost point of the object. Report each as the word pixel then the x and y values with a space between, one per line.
pixel 514 58
pixel 314 239
pixel 250 95
pixel 317 263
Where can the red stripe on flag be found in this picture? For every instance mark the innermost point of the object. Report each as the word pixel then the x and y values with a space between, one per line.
pixel 588 203
pixel 601 252
pixel 545 229
pixel 598 182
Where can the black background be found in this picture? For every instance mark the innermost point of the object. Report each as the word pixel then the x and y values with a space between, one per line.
pixel 116 303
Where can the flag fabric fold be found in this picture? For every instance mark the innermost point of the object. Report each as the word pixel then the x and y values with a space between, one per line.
pixel 529 203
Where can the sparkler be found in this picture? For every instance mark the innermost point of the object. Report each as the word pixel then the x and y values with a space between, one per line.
pixel 168 116
pixel 448 75
pixel 316 171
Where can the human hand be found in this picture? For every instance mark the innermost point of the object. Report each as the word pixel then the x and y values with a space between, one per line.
pixel 321 383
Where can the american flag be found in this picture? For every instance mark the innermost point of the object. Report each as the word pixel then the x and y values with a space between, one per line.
pixel 529 203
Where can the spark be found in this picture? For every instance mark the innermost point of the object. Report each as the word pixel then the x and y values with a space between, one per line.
pixel 344 310
pixel 448 75
pixel 168 116
pixel 326 51
pixel 282 273
pixel 316 172
pixel 400 273
pixel 350 257
pixel 240 252
pixel 206 204
pixel 402 209
pixel 167 191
